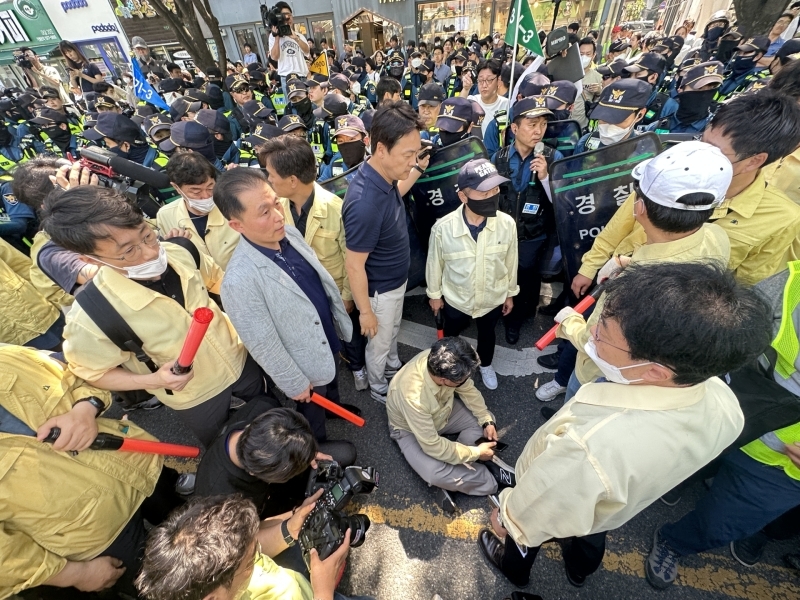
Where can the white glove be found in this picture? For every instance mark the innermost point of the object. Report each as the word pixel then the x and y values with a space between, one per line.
pixel 612 268
pixel 564 313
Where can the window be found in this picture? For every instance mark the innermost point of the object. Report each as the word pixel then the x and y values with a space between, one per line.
pixel 445 19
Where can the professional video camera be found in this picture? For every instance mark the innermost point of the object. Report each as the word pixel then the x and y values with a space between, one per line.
pixel 137 183
pixel 273 17
pixel 325 527
pixel 22 60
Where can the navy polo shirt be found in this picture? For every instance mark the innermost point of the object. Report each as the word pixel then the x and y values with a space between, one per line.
pixel 375 222
pixel 305 276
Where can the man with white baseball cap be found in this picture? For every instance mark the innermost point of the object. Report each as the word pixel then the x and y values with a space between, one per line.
pixel 675 194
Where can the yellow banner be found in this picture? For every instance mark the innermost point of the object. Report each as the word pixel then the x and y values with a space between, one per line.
pixel 320 65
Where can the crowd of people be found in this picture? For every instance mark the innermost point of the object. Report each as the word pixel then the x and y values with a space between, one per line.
pixel 685 369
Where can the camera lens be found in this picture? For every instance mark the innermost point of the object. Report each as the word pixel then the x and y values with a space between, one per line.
pixel 358 525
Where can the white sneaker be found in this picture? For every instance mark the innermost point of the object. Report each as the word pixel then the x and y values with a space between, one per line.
pixel 489 377
pixel 549 391
pixel 361 380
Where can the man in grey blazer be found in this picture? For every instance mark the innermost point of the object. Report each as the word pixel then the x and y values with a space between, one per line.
pixel 283 303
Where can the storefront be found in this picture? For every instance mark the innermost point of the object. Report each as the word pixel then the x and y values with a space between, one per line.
pixel 23 23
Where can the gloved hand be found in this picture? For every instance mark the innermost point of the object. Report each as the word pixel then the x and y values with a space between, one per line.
pixel 612 268
pixel 564 313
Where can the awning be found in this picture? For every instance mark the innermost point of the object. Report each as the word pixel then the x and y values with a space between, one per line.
pixel 7 56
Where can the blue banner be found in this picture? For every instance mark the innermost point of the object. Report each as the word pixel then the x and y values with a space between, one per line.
pixel 143 89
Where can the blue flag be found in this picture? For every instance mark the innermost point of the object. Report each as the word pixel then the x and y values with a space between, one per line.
pixel 143 89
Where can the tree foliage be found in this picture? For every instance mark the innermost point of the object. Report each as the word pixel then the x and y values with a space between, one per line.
pixel 187 28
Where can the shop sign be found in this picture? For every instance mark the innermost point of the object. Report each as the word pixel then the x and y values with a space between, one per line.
pixel 23 23
pixel 389 1
pixel 73 4
pixel 105 28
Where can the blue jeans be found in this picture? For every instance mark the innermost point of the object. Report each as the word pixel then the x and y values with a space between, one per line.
pixel 50 339
pixel 572 387
pixel 745 496
pixel 566 362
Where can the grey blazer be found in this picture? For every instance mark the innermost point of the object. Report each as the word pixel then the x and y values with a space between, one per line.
pixel 277 322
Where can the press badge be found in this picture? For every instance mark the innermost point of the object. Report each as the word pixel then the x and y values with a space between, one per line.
pixel 529 208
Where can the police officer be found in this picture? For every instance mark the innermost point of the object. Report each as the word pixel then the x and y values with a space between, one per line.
pixel 53 101
pixel 256 112
pixel 453 84
pixel 293 125
pixel 55 131
pixel 351 140
pixel 454 121
pixel 299 102
pixel 240 94
pixel 123 137
pixel 497 129
pixel 621 106
pixel 560 98
pixel 195 137
pixel 395 65
pixel 324 147
pixel 744 67
pixel 429 101
pixel 611 72
pixel 717 27
pixel 184 109
pixel 649 67
pixel 226 149
pixel 689 111
pixel 526 197
pixel 318 87
pixel 157 128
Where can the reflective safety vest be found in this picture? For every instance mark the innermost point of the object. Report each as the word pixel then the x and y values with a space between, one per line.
pixel 316 140
pixel 501 116
pixel 6 166
pixel 451 82
pixel 279 102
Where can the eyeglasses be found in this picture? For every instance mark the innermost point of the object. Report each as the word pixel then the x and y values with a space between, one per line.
pixel 486 81
pixel 597 339
pixel 132 253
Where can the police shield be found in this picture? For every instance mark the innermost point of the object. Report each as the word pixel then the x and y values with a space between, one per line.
pixel 587 190
pixel 563 136
pixel 338 185
pixel 435 193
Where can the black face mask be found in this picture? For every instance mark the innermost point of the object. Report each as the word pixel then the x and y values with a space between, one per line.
pixel 221 147
pixel 60 137
pixel 458 70
pixel 694 105
pixel 396 72
pixel 741 65
pixel 485 208
pixel 353 152
pixel 138 153
pixel 451 138
pixel 119 152
pixel 5 136
pixel 208 152
pixel 562 114
pixel 713 34
pixel 303 107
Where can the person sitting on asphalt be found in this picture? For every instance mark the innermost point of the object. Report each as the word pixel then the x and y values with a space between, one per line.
pixel 422 410
pixel 600 461
pixel 474 239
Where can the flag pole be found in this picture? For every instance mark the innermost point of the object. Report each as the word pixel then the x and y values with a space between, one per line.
pixel 518 14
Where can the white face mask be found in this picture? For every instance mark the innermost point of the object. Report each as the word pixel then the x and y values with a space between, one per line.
pixel 586 61
pixel 612 373
pixel 147 270
pixel 356 88
pixel 611 134
pixel 203 205
pixel 416 62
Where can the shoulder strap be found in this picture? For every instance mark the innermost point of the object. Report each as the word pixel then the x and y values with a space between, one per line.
pixel 187 245
pixel 111 323
pixel 501 162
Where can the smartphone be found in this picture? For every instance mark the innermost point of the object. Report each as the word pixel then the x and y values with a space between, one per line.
pixel 499 446
pixel 427 149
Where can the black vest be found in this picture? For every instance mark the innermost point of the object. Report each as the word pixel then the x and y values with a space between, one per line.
pixel 531 208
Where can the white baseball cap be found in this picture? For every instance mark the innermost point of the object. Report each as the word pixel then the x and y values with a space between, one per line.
pixel 682 169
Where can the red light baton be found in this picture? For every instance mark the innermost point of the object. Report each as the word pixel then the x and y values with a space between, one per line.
pixel 108 441
pixel 200 322
pixel 336 409
pixel 439 325
pixel 581 307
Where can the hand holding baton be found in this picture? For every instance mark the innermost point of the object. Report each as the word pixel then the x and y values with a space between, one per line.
pixel 197 330
pixel 108 441
pixel 439 317
pixel 581 307
pixel 336 409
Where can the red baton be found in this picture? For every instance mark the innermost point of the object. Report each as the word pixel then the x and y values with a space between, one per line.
pixel 336 409
pixel 581 307
pixel 439 317
pixel 200 322
pixel 109 441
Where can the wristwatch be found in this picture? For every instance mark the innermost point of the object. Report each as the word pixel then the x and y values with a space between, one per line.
pixel 492 423
pixel 287 537
pixel 94 402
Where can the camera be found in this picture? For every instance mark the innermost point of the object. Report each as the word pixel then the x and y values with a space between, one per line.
pixel 273 17
pixel 325 527
pixel 23 61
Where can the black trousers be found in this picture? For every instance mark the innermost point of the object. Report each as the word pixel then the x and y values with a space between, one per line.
pixel 206 419
pixel 354 349
pixel 529 279
pixel 316 414
pixel 582 557
pixel 456 321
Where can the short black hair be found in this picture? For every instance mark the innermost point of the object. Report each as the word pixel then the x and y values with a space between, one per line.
pixel 574 26
pixel 787 81
pixel 693 318
pixel 277 446
pixel 290 155
pixel 31 183
pixel 24 49
pixel 461 40
pixel 190 168
pixel 675 220
pixel 392 121
pixel 281 5
pixel 232 183
pixel 453 358
pixel 495 66
pixel 323 41
pixel 587 41
pixel 171 66
pixel 393 38
pixel 100 87
pixel 387 85
pixel 78 218
pixel 772 124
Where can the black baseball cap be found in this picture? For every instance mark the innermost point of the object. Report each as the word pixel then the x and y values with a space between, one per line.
pixel 620 99
pixel 188 134
pixel 154 123
pixel 197 95
pixel 703 74
pixel 114 126
pixel 316 79
pixel 349 125
pixel 650 61
pixel 295 87
pixel 181 106
pixel 560 92
pixel 333 105
pixel 48 92
pixel 239 84
pixel 480 175
pixel 789 50
pixel 618 46
pixel 366 118
pixel 760 43
pixel 261 133
pixel 454 114
pixel 213 73
pixel 427 65
pixel 615 68
pixel 533 85
pixel 171 84
pixel 395 56
pixel 431 93
pixel 48 117
pixel 213 120
pixel 106 101
pixel 459 56
pixel 340 82
pixel 359 61
pixel 478 114
pixel 290 123
pixel 535 106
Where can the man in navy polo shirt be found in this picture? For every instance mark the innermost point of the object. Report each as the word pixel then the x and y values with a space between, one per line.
pixel 378 255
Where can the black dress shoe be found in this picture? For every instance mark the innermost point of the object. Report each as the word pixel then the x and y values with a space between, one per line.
pixel 351 407
pixel 549 361
pixel 551 310
pixel 445 502
pixel 548 412
pixel 512 335
pixel 576 580
pixel 494 550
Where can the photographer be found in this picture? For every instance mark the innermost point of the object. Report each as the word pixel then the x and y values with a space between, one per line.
pixel 38 74
pixel 289 51
pixel 215 548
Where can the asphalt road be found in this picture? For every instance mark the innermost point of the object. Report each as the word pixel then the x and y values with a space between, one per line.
pixel 413 550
